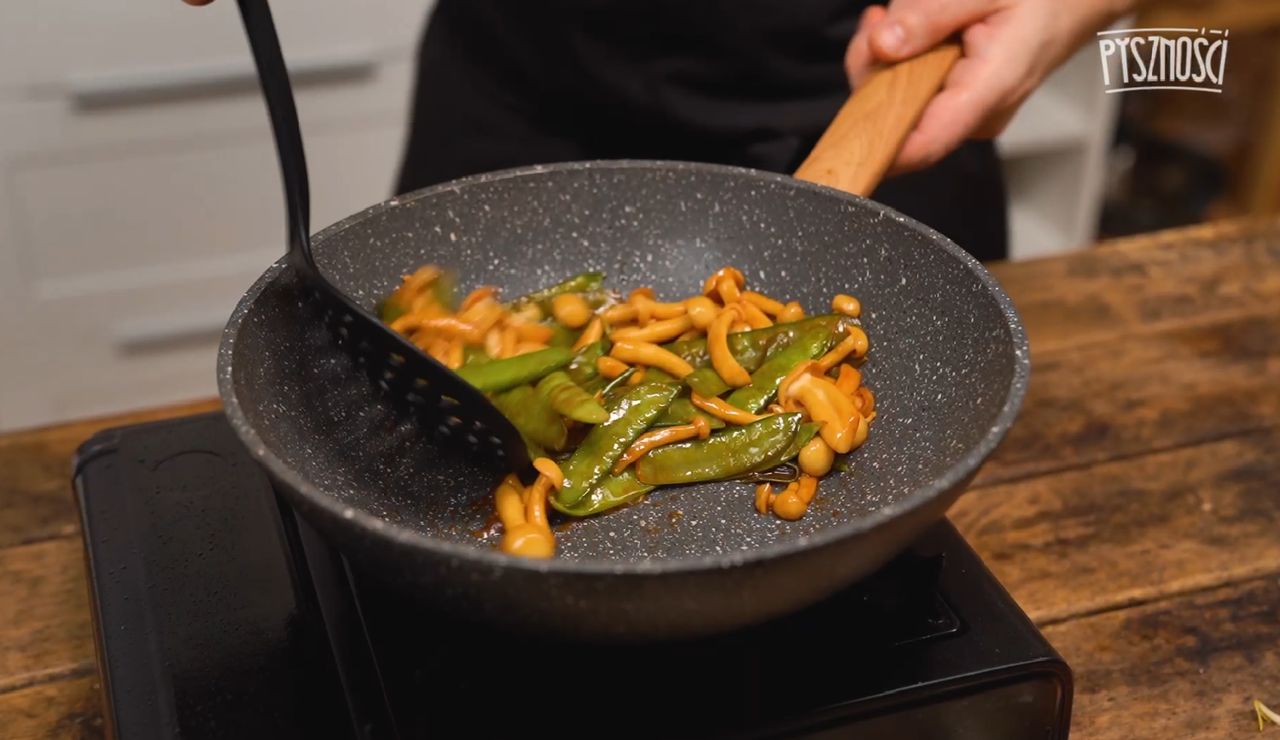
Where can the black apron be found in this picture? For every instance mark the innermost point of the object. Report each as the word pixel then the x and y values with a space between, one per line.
pixel 505 83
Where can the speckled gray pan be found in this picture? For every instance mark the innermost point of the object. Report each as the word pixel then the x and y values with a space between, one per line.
pixel 948 364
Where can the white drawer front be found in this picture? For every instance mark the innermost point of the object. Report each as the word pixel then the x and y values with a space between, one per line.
pixel 43 131
pixel 129 265
pixel 79 49
pixel 119 351
pixel 83 225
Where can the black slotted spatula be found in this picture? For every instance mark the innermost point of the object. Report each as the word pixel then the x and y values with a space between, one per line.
pixel 460 413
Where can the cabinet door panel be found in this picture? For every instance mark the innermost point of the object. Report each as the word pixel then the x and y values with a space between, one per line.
pixel 71 47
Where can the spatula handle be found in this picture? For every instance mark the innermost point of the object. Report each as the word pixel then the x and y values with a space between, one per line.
pixel 867 133
pixel 278 93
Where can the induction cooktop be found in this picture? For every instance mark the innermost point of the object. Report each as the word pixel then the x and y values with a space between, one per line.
pixel 219 613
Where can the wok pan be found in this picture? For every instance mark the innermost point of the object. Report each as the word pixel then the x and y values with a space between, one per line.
pixel 948 364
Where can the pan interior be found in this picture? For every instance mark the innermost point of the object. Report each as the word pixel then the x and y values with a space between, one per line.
pixel 944 356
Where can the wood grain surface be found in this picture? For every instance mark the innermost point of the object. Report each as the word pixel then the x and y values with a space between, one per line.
pixel 1182 278
pixel 1124 397
pixel 1184 667
pixel 1133 511
pixel 1131 530
pixel 44 631
pixel 862 141
pixel 69 708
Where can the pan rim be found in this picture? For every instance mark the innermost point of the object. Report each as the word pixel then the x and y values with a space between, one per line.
pixel 400 536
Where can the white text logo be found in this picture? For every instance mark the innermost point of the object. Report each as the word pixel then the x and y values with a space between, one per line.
pixel 1163 59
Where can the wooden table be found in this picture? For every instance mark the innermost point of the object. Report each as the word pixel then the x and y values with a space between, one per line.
pixel 1133 511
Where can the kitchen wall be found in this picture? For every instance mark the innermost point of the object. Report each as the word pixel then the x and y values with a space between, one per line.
pixel 139 193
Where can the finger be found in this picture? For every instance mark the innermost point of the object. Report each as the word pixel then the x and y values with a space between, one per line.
pixel 986 35
pixel 913 26
pixel 997 122
pixel 858 58
pixel 981 88
pixel 946 123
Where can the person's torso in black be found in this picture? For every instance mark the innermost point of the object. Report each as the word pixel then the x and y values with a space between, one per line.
pixel 743 82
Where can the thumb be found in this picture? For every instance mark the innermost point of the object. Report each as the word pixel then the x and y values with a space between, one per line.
pixel 914 26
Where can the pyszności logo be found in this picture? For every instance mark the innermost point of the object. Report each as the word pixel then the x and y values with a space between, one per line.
pixel 1163 59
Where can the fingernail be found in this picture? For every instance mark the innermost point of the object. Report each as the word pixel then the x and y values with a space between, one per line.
pixel 891 36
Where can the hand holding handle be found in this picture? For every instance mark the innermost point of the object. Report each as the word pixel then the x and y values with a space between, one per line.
pixel 867 133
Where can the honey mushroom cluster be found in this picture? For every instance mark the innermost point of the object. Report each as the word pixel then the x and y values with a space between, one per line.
pixel 481 321
pixel 523 511
pixel 626 338
pixel 842 406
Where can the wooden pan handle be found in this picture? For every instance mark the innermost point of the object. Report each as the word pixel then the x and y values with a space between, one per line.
pixel 865 136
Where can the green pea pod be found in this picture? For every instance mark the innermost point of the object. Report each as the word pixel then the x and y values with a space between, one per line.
pixel 725 454
pixel 501 375
pixel 561 336
pixel 582 368
pixel 569 400
pixel 475 356
pixel 682 411
pixel 580 283
pixel 614 389
pixel 389 309
pixel 750 348
pixel 804 434
pixel 765 380
pixel 658 375
pixel 610 492
pixel 617 386
pixel 392 307
pixel 532 414
pixel 605 443
pixel 747 347
pixel 706 382
pixel 446 290
pixel 596 297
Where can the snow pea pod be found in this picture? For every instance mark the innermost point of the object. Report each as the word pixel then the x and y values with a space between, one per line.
pixel 475 355
pixel 750 353
pixel 634 411
pixel 611 391
pixel 580 283
pixel 765 380
pixel 726 454
pixel 445 289
pixel 389 309
pixel 568 399
pixel 682 411
pixel 582 368
pixel 806 432
pixel 706 382
pixel 501 375
pixel 616 387
pixel 750 348
pixel 747 347
pixel 610 492
pixel 658 375
pixel 533 416
pixel 394 305
pixel 560 336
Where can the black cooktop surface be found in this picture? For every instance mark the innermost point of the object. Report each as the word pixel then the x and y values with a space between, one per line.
pixel 219 613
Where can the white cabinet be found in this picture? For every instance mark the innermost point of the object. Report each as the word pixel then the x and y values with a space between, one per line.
pixel 139 191
pixel 1054 153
